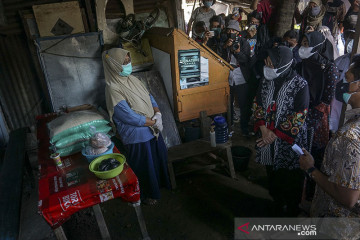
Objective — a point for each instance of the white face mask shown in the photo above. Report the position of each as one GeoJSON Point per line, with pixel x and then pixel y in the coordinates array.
{"type": "Point", "coordinates": [271, 73]}
{"type": "Point", "coordinates": [306, 52]}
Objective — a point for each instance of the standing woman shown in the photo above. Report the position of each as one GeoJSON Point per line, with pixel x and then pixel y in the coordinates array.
{"type": "Point", "coordinates": [280, 110]}
{"type": "Point", "coordinates": [138, 122]}
{"type": "Point", "coordinates": [321, 73]}
{"type": "Point", "coordinates": [312, 17]}
{"type": "Point", "coordinates": [203, 13]}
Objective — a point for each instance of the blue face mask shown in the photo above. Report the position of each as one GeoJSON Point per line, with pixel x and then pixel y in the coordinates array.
{"type": "Point", "coordinates": [342, 91]}
{"type": "Point", "coordinates": [347, 97]}
{"type": "Point", "coordinates": [315, 11]}
{"type": "Point", "coordinates": [208, 4]}
{"type": "Point", "coordinates": [127, 70]}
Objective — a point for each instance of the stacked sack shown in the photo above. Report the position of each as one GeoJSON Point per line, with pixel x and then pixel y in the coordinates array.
{"type": "Point", "coordinates": [71, 132]}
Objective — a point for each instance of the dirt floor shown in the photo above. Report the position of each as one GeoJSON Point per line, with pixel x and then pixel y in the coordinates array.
{"type": "Point", "coordinates": [203, 206]}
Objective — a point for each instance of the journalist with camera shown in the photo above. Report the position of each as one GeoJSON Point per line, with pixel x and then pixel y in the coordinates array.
{"type": "Point", "coordinates": [236, 51]}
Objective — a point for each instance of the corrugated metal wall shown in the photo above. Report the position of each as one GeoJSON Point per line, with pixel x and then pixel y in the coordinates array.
{"type": "Point", "coordinates": [19, 85]}
{"type": "Point", "coordinates": [20, 92]}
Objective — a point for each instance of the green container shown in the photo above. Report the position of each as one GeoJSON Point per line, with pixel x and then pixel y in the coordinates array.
{"type": "Point", "coordinates": [94, 166]}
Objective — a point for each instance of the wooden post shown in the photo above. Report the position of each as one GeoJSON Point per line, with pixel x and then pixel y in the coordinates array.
{"type": "Point", "coordinates": [25, 17]}
{"type": "Point", "coordinates": [230, 161]}
{"type": "Point", "coordinates": [141, 220]}
{"type": "Point", "coordinates": [180, 21]}
{"type": "Point", "coordinates": [171, 174]}
{"type": "Point", "coordinates": [59, 233]}
{"type": "Point", "coordinates": [105, 235]}
{"type": "Point", "coordinates": [90, 16]}
{"type": "Point", "coordinates": [204, 125]}
{"type": "Point", "coordinates": [85, 21]}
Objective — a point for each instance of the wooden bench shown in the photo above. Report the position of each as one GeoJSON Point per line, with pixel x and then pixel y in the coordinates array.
{"type": "Point", "coordinates": [11, 181]}
{"type": "Point", "coordinates": [195, 148]}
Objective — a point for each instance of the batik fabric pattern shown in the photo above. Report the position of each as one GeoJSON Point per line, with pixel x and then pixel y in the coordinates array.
{"type": "Point", "coordinates": [277, 114]}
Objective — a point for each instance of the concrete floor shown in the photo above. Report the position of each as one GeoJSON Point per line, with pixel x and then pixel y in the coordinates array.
{"type": "Point", "coordinates": [202, 207]}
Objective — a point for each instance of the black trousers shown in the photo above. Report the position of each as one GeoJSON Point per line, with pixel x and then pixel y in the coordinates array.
{"type": "Point", "coordinates": [241, 92]}
{"type": "Point", "coordinates": [253, 85]}
{"type": "Point", "coordinates": [285, 187]}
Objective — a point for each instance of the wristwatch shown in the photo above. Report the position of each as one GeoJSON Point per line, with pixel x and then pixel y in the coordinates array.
{"type": "Point", "coordinates": [310, 170]}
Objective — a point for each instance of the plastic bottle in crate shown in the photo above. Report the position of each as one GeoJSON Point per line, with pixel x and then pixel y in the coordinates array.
{"type": "Point", "coordinates": [221, 130]}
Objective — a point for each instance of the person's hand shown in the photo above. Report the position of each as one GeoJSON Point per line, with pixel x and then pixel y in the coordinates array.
{"type": "Point", "coordinates": [207, 35]}
{"type": "Point", "coordinates": [357, 3]}
{"type": "Point", "coordinates": [228, 43]}
{"type": "Point", "coordinates": [310, 29]}
{"type": "Point", "coordinates": [158, 121]}
{"type": "Point", "coordinates": [237, 50]}
{"type": "Point", "coordinates": [306, 160]}
{"type": "Point", "coordinates": [261, 142]}
{"type": "Point", "coordinates": [292, 42]}
{"type": "Point", "coordinates": [268, 137]}
{"type": "Point", "coordinates": [252, 32]}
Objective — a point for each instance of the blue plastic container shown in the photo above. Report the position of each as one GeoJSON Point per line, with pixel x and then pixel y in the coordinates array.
{"type": "Point", "coordinates": [221, 130]}
{"type": "Point", "coordinates": [92, 157]}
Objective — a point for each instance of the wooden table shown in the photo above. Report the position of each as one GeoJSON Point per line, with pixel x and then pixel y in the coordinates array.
{"type": "Point", "coordinates": [195, 148]}
{"type": "Point", "coordinates": [63, 192]}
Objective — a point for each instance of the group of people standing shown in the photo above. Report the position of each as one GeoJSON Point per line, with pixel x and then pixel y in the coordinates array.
{"type": "Point", "coordinates": [293, 87]}
{"type": "Point", "coordinates": [290, 84]}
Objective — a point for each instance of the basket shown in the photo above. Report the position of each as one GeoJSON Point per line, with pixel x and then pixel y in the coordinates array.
{"type": "Point", "coordinates": [92, 157]}
{"type": "Point", "coordinates": [94, 166]}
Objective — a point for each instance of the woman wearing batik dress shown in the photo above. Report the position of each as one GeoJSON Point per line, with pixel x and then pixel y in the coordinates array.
{"type": "Point", "coordinates": [280, 110]}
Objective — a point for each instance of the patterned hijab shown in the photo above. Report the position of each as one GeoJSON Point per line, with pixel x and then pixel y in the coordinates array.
{"type": "Point", "coordinates": [315, 21]}
{"type": "Point", "coordinates": [281, 57]}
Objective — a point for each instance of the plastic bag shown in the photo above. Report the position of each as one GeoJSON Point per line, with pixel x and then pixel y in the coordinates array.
{"type": "Point", "coordinates": [89, 150]}
{"type": "Point", "coordinates": [71, 149]}
{"type": "Point", "coordinates": [100, 140]}
{"type": "Point", "coordinates": [80, 137]}
{"type": "Point", "coordinates": [78, 129]}
{"type": "Point", "coordinates": [72, 123]}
